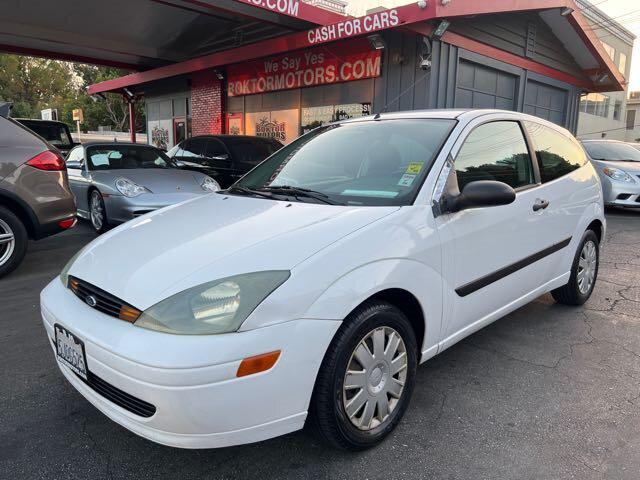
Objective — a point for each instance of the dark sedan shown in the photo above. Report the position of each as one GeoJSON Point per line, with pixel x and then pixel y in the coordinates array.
{"type": "Point", "coordinates": [226, 158]}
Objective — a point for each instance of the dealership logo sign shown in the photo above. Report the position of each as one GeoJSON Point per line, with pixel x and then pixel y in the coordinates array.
{"type": "Point", "coordinates": [271, 129]}
{"type": "Point", "coordinates": [319, 66]}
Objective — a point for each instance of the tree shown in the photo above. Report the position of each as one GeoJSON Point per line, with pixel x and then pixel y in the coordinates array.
{"type": "Point", "coordinates": [33, 84]}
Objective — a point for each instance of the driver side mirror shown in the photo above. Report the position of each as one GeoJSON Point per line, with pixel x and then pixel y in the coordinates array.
{"type": "Point", "coordinates": [75, 164]}
{"type": "Point", "coordinates": [481, 193]}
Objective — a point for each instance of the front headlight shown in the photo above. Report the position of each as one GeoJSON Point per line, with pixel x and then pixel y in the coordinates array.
{"type": "Point", "coordinates": [129, 188]}
{"type": "Point", "coordinates": [210, 185]}
{"type": "Point", "coordinates": [214, 307]}
{"type": "Point", "coordinates": [618, 175]}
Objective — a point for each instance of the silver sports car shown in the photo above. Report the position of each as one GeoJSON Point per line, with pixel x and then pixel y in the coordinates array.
{"type": "Point", "coordinates": [618, 165]}
{"type": "Point", "coordinates": [115, 182]}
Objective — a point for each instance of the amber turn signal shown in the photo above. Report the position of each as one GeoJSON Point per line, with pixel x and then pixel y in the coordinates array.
{"type": "Point", "coordinates": [257, 364]}
{"type": "Point", "coordinates": [129, 314]}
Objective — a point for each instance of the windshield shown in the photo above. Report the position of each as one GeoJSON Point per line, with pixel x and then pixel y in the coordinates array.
{"type": "Point", "coordinates": [126, 157]}
{"type": "Point", "coordinates": [251, 150]}
{"type": "Point", "coordinates": [612, 152]}
{"type": "Point", "coordinates": [54, 133]}
{"type": "Point", "coordinates": [376, 162]}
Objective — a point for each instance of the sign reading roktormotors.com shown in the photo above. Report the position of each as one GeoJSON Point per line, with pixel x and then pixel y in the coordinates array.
{"type": "Point", "coordinates": [345, 62]}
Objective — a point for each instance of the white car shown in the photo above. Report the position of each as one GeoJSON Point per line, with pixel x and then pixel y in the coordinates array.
{"type": "Point", "coordinates": [311, 289]}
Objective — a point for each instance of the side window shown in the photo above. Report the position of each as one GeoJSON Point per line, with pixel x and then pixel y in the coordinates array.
{"type": "Point", "coordinates": [76, 155]}
{"type": "Point", "coordinates": [194, 148]}
{"type": "Point", "coordinates": [558, 154]}
{"type": "Point", "coordinates": [495, 151]}
{"type": "Point", "coordinates": [215, 148]}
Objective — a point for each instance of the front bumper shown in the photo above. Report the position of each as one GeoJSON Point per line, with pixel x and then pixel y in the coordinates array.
{"type": "Point", "coordinates": [121, 209]}
{"type": "Point", "coordinates": [621, 194]}
{"type": "Point", "coordinates": [191, 380]}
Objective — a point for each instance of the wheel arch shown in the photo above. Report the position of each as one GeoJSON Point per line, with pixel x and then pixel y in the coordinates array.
{"type": "Point", "coordinates": [21, 210]}
{"type": "Point", "coordinates": [411, 286]}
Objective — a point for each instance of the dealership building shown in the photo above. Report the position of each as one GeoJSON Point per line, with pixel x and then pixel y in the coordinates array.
{"type": "Point", "coordinates": [279, 68]}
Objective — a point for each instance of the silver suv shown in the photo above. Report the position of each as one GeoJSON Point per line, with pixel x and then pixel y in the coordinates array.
{"type": "Point", "coordinates": [35, 200]}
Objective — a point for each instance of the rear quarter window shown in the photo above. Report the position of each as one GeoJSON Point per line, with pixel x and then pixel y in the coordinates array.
{"type": "Point", "coordinates": [558, 154]}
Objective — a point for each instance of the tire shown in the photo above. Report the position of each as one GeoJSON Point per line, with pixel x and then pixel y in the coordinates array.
{"type": "Point", "coordinates": [98, 218]}
{"type": "Point", "coordinates": [578, 291]}
{"type": "Point", "coordinates": [330, 401]}
{"type": "Point", "coordinates": [13, 241]}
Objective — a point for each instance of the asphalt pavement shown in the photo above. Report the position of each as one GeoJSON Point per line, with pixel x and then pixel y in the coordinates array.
{"type": "Point", "coordinates": [548, 392]}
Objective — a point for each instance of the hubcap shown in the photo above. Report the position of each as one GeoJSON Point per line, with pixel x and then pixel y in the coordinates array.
{"type": "Point", "coordinates": [97, 215]}
{"type": "Point", "coordinates": [375, 378]}
{"type": "Point", "coordinates": [7, 242]}
{"type": "Point", "coordinates": [587, 266]}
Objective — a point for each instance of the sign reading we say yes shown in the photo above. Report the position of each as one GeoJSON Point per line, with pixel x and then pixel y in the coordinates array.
{"type": "Point", "coordinates": [344, 62]}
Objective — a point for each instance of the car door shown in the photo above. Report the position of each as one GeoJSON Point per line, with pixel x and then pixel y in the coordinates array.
{"type": "Point", "coordinates": [78, 178]}
{"type": "Point", "coordinates": [490, 253]}
{"type": "Point", "coordinates": [568, 189]}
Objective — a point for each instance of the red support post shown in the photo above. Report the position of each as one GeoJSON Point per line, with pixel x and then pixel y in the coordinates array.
{"type": "Point", "coordinates": [132, 120]}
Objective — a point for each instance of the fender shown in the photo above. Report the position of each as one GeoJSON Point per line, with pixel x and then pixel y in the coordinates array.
{"type": "Point", "coordinates": [356, 286]}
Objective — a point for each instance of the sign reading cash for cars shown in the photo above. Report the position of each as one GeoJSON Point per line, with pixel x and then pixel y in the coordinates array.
{"type": "Point", "coordinates": [345, 62]}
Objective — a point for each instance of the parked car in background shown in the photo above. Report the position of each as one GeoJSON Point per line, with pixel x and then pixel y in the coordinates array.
{"type": "Point", "coordinates": [115, 182]}
{"type": "Point", "coordinates": [223, 157]}
{"type": "Point", "coordinates": [618, 165]}
{"type": "Point", "coordinates": [54, 132]}
{"type": "Point", "coordinates": [311, 289]}
{"type": "Point", "coordinates": [35, 200]}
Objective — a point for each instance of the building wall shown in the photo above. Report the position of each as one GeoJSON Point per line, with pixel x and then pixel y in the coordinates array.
{"type": "Point", "coordinates": [206, 104]}
{"type": "Point", "coordinates": [459, 78]}
{"type": "Point", "coordinates": [610, 123]}
{"type": "Point", "coordinates": [632, 121]}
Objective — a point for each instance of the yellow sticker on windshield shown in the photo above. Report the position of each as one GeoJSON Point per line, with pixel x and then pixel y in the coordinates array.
{"type": "Point", "coordinates": [414, 168]}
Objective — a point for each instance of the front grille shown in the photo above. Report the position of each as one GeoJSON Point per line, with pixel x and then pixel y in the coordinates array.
{"type": "Point", "coordinates": [102, 301]}
{"type": "Point", "coordinates": [117, 396]}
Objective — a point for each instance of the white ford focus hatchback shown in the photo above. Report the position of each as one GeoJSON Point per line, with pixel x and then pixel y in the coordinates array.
{"type": "Point", "coordinates": [311, 289]}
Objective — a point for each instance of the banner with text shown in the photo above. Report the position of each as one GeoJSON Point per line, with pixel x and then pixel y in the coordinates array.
{"type": "Point", "coordinates": [355, 60]}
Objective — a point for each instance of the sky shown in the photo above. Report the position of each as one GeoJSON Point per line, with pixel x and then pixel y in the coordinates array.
{"type": "Point", "coordinates": [626, 12]}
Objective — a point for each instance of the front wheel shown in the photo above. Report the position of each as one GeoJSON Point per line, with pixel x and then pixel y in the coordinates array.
{"type": "Point", "coordinates": [366, 378]}
{"type": "Point", "coordinates": [13, 241]}
{"type": "Point", "coordinates": [584, 273]}
{"type": "Point", "coordinates": [97, 212]}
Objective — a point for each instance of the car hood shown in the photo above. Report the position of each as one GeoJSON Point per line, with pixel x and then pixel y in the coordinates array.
{"type": "Point", "coordinates": [211, 237]}
{"type": "Point", "coordinates": [158, 180]}
{"type": "Point", "coordinates": [632, 168]}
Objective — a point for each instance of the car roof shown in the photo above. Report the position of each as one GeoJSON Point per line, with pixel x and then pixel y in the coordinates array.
{"type": "Point", "coordinates": [38, 120]}
{"type": "Point", "coordinates": [115, 144]}
{"type": "Point", "coordinates": [602, 140]}
{"type": "Point", "coordinates": [224, 136]}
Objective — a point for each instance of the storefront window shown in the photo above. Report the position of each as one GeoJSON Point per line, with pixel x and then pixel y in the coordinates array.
{"type": "Point", "coordinates": [313, 117]}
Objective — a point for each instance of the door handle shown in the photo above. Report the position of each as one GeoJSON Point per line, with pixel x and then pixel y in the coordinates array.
{"type": "Point", "coordinates": [540, 204]}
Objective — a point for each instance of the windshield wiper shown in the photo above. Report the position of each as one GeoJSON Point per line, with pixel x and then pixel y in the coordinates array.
{"type": "Point", "coordinates": [248, 191]}
{"type": "Point", "coordinates": [300, 192]}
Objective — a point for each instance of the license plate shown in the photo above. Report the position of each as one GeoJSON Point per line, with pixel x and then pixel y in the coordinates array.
{"type": "Point", "coordinates": [70, 350]}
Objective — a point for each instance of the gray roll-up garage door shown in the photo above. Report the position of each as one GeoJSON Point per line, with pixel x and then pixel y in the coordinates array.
{"type": "Point", "coordinates": [479, 86]}
{"type": "Point", "coordinates": [546, 102]}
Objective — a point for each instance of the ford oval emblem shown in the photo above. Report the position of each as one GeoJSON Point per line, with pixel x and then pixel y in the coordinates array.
{"type": "Point", "coordinates": [91, 300]}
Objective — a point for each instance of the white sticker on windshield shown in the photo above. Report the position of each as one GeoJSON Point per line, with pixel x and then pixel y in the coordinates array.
{"type": "Point", "coordinates": [406, 180]}
{"type": "Point", "coordinates": [370, 193]}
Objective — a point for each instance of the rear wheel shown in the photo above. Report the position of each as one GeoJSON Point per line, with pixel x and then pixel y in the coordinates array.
{"type": "Point", "coordinates": [584, 273]}
{"type": "Point", "coordinates": [97, 212]}
{"type": "Point", "coordinates": [366, 378]}
{"type": "Point", "coordinates": [13, 241]}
